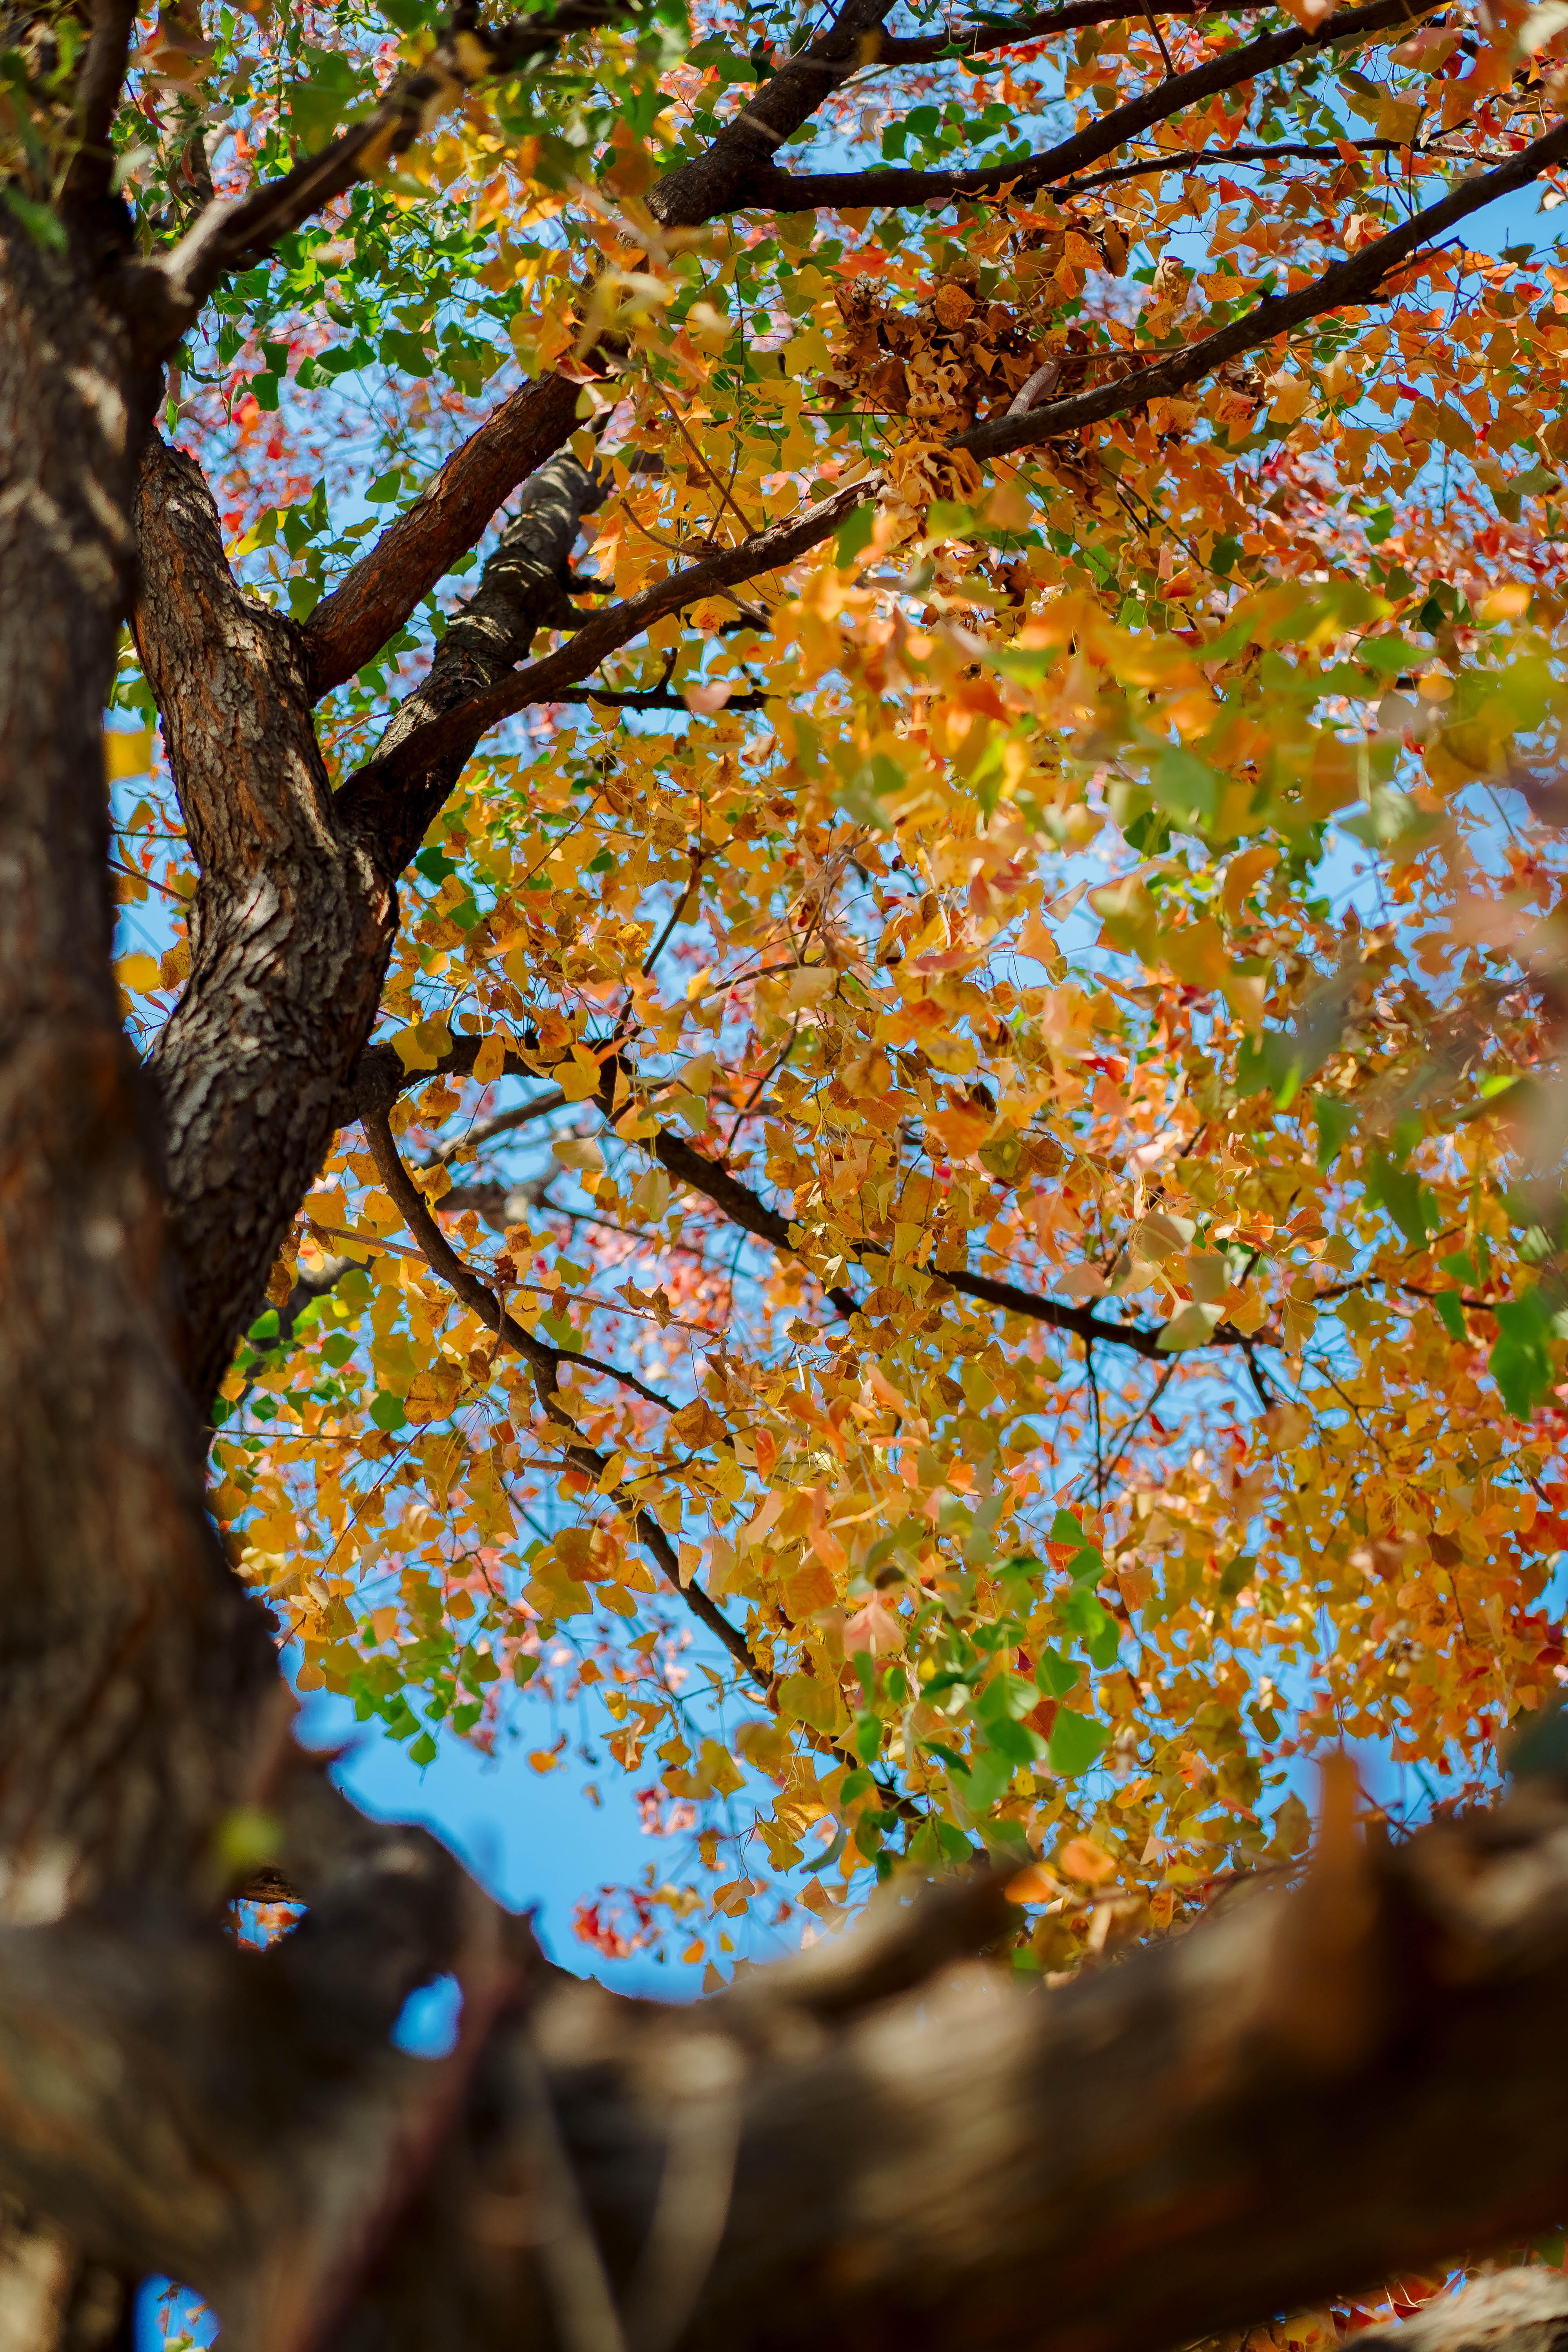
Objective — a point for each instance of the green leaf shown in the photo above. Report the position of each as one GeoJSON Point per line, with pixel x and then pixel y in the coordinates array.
{"type": "Point", "coordinates": [1271, 1063]}
{"type": "Point", "coordinates": [388, 1412]}
{"type": "Point", "coordinates": [1409, 1201]}
{"type": "Point", "coordinates": [1076, 1743]}
{"type": "Point", "coordinates": [1014, 1742]}
{"type": "Point", "coordinates": [1453, 1314]}
{"type": "Point", "coordinates": [423, 1751]}
{"type": "Point", "coordinates": [1184, 785]}
{"type": "Point", "coordinates": [1394, 821]}
{"type": "Point", "coordinates": [854, 535]}
{"type": "Point", "coordinates": [1336, 1122]}
{"type": "Point", "coordinates": [1193, 1326]}
{"type": "Point", "coordinates": [1094, 1625]}
{"type": "Point", "coordinates": [1056, 1674]}
{"type": "Point", "coordinates": [988, 1779]}
{"type": "Point", "coordinates": [42, 224]}
{"type": "Point", "coordinates": [1520, 1360]}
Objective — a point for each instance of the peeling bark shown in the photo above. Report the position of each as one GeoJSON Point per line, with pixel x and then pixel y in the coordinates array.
{"type": "Point", "coordinates": [522, 590]}
{"type": "Point", "coordinates": [1511, 2311]}
{"type": "Point", "coordinates": [349, 626]}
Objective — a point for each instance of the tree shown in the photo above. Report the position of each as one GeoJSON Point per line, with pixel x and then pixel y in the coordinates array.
{"type": "Point", "coordinates": [904, 537]}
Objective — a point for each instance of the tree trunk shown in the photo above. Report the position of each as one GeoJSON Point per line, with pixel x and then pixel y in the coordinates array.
{"type": "Point", "coordinates": [131, 1667]}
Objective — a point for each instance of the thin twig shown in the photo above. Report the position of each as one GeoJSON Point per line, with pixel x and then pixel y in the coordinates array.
{"type": "Point", "coordinates": [502, 1123]}
{"type": "Point", "coordinates": [545, 1362]}
{"type": "Point", "coordinates": [420, 1219]}
{"type": "Point", "coordinates": [1159, 37]}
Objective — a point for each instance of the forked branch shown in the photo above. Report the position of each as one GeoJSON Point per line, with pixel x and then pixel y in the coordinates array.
{"type": "Point", "coordinates": [545, 1363]}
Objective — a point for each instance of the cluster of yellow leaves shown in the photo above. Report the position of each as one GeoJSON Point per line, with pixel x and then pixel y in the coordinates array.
{"type": "Point", "coordinates": [870, 1019]}
{"type": "Point", "coordinates": [1100, 1394]}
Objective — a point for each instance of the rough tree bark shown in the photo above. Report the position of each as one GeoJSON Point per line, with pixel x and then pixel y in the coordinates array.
{"type": "Point", "coordinates": [131, 1666]}
{"type": "Point", "coordinates": [292, 927]}
{"type": "Point", "coordinates": [881, 2143]}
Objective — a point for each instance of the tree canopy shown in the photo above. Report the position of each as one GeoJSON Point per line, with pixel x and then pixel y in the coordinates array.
{"type": "Point", "coordinates": [814, 1032]}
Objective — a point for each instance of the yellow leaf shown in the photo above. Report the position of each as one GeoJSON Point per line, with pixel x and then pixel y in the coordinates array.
{"type": "Point", "coordinates": [809, 1699]}
{"type": "Point", "coordinates": [1247, 994]}
{"type": "Point", "coordinates": [579, 1077]}
{"type": "Point", "coordinates": [377, 1213]}
{"type": "Point", "coordinates": [716, 1770]}
{"type": "Point", "coordinates": [1243, 873]}
{"type": "Point", "coordinates": [127, 752]}
{"type": "Point", "coordinates": [765, 1746]}
{"type": "Point", "coordinates": [139, 974]}
{"type": "Point", "coordinates": [809, 986]}
{"type": "Point", "coordinates": [422, 1046]}
{"type": "Point", "coordinates": [1034, 1885]}
{"type": "Point", "coordinates": [808, 1587]}
{"type": "Point", "coordinates": [1397, 119]}
{"type": "Point", "coordinates": [580, 1153]}
{"type": "Point", "coordinates": [489, 1062]}
{"type": "Point", "coordinates": [1196, 954]}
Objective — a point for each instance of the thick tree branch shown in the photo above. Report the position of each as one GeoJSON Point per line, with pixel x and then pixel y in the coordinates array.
{"type": "Point", "coordinates": [787, 191]}
{"type": "Point", "coordinates": [372, 602]}
{"type": "Point", "coordinates": [1291, 2102]}
{"type": "Point", "coordinates": [1510, 2311]}
{"type": "Point", "coordinates": [986, 40]}
{"type": "Point", "coordinates": [725, 176]}
{"type": "Point", "coordinates": [1295, 2100]}
{"type": "Point", "coordinates": [522, 589]}
{"type": "Point", "coordinates": [291, 928]}
{"type": "Point", "coordinates": [1356, 280]}
{"type": "Point", "coordinates": [102, 77]}
{"type": "Point", "coordinates": [381, 1075]}
{"type": "Point", "coordinates": [377, 798]}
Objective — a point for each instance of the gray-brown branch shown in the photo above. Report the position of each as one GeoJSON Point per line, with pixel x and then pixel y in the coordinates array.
{"type": "Point", "coordinates": [1293, 2101]}
{"type": "Point", "coordinates": [291, 928]}
{"type": "Point", "coordinates": [791, 192]}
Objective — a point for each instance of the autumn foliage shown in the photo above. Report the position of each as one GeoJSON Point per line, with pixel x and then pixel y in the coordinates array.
{"type": "Point", "coordinates": [947, 1228]}
{"type": "Point", "coordinates": [1080, 876]}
